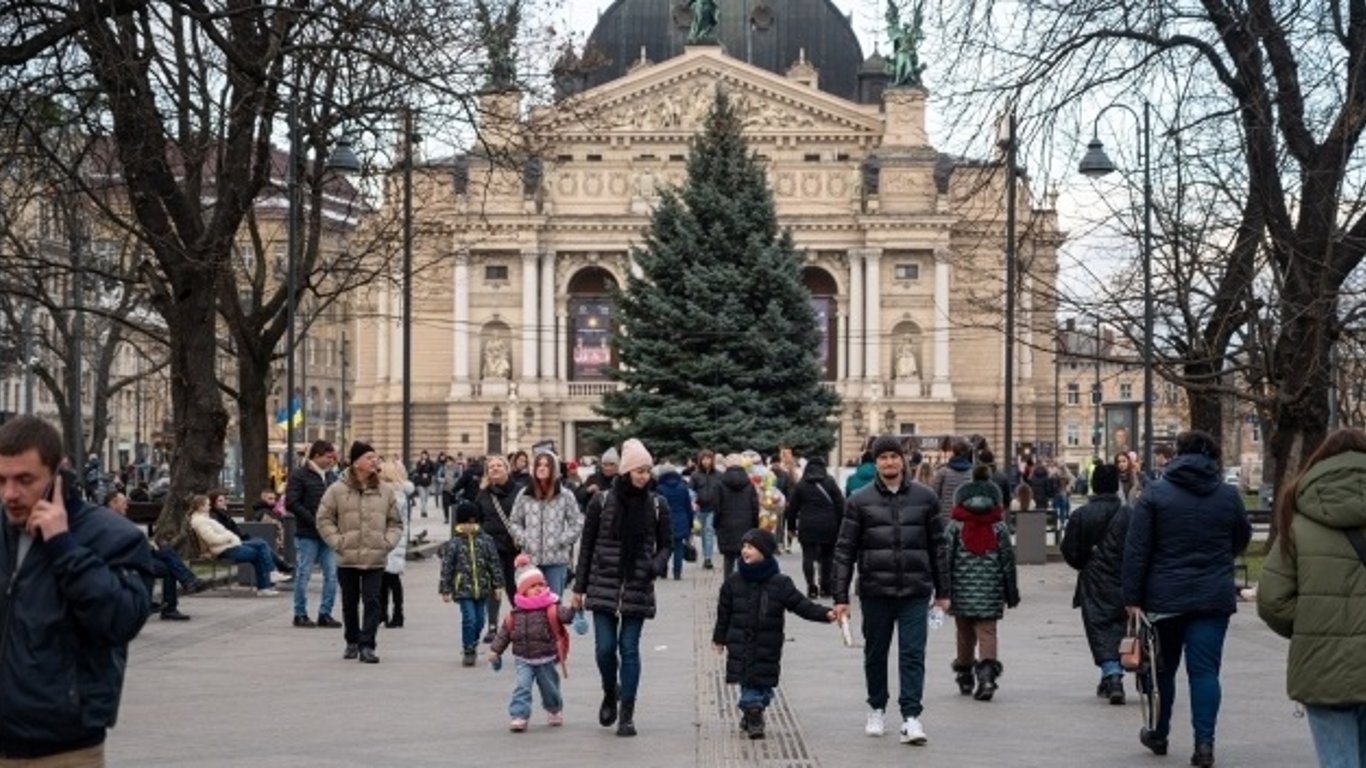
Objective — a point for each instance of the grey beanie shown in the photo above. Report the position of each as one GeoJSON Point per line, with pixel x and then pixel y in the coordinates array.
{"type": "Point", "coordinates": [610, 456]}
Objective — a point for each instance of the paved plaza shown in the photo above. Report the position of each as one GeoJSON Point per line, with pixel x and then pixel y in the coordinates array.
{"type": "Point", "coordinates": [239, 686]}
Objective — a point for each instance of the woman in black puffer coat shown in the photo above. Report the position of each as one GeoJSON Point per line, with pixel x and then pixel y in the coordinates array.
{"type": "Point", "coordinates": [737, 511]}
{"type": "Point", "coordinates": [1094, 545]}
{"type": "Point", "coordinates": [813, 512]}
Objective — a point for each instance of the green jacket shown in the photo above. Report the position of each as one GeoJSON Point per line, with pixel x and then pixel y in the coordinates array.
{"type": "Point", "coordinates": [1317, 595]}
{"type": "Point", "coordinates": [983, 585]}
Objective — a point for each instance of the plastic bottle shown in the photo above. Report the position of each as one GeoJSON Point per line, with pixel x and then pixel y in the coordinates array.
{"type": "Point", "coordinates": [580, 623]}
{"type": "Point", "coordinates": [936, 617]}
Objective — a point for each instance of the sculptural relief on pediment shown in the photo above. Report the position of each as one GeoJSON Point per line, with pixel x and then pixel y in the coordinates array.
{"type": "Point", "coordinates": [682, 107]}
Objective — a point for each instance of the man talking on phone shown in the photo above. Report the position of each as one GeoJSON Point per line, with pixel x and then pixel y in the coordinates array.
{"type": "Point", "coordinates": [71, 598]}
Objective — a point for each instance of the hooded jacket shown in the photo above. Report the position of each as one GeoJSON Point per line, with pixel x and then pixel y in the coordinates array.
{"type": "Point", "coordinates": [679, 498]}
{"type": "Point", "coordinates": [360, 521]}
{"type": "Point", "coordinates": [1184, 533]}
{"type": "Point", "coordinates": [737, 509]}
{"type": "Point", "coordinates": [863, 475]}
{"type": "Point", "coordinates": [470, 568]}
{"type": "Point", "coordinates": [546, 530]}
{"type": "Point", "coordinates": [1094, 545]}
{"type": "Point", "coordinates": [983, 583]}
{"type": "Point", "coordinates": [1316, 596]}
{"type": "Point", "coordinates": [67, 614]}
{"type": "Point", "coordinates": [895, 538]}
{"type": "Point", "coordinates": [815, 506]}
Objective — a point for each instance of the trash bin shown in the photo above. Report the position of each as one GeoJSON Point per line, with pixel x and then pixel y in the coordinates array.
{"type": "Point", "coordinates": [1031, 538]}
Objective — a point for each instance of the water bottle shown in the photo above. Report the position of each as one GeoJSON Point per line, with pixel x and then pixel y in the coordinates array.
{"type": "Point", "coordinates": [497, 664]}
{"type": "Point", "coordinates": [580, 623]}
{"type": "Point", "coordinates": [936, 617]}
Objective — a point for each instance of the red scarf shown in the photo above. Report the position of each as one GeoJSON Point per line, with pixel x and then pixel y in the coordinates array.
{"type": "Point", "coordinates": [979, 533]}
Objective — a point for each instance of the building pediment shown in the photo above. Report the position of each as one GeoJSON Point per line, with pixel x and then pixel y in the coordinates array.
{"type": "Point", "coordinates": [672, 99]}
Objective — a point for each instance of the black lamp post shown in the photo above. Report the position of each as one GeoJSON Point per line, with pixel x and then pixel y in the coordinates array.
{"type": "Point", "coordinates": [1010, 144]}
{"type": "Point", "coordinates": [410, 137]}
{"type": "Point", "coordinates": [342, 160]}
{"type": "Point", "coordinates": [1096, 164]}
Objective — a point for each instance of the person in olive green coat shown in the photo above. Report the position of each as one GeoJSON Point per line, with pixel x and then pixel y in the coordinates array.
{"type": "Point", "coordinates": [1313, 591]}
{"type": "Point", "coordinates": [982, 568]}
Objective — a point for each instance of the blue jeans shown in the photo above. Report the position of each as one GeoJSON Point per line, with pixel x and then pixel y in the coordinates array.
{"type": "Point", "coordinates": [546, 678]}
{"type": "Point", "coordinates": [615, 636]}
{"type": "Point", "coordinates": [907, 616]}
{"type": "Point", "coordinates": [1062, 506]}
{"type": "Point", "coordinates": [1201, 637]}
{"type": "Point", "coordinates": [555, 576]}
{"type": "Point", "coordinates": [471, 621]}
{"type": "Point", "coordinates": [309, 551]}
{"type": "Point", "coordinates": [170, 562]}
{"type": "Point", "coordinates": [257, 553]}
{"type": "Point", "coordinates": [1111, 667]}
{"type": "Point", "coordinates": [678, 553]}
{"type": "Point", "coordinates": [707, 516]}
{"type": "Point", "coordinates": [755, 696]}
{"type": "Point", "coordinates": [1339, 735]}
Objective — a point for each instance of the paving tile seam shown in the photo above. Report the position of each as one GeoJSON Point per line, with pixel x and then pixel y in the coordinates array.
{"type": "Point", "coordinates": [719, 743]}
{"type": "Point", "coordinates": [202, 632]}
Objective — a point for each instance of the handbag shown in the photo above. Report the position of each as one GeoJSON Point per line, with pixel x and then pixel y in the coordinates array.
{"type": "Point", "coordinates": [689, 551]}
{"type": "Point", "coordinates": [1131, 645]}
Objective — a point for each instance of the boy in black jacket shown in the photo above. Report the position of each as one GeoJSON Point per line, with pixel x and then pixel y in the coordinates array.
{"type": "Point", "coordinates": [749, 625]}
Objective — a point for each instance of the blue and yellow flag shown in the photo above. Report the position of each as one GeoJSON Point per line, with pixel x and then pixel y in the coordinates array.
{"type": "Point", "coordinates": [291, 418]}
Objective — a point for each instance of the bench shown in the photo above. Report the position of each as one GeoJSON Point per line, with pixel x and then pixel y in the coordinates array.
{"type": "Point", "coordinates": [1260, 519]}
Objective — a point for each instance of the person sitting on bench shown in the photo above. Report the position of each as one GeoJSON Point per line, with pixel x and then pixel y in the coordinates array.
{"type": "Point", "coordinates": [222, 543]}
{"type": "Point", "coordinates": [218, 508]}
{"type": "Point", "coordinates": [166, 565]}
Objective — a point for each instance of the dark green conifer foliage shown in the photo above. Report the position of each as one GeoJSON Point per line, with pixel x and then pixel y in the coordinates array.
{"type": "Point", "coordinates": [716, 341]}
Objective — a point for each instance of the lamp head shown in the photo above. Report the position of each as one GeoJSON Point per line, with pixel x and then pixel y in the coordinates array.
{"type": "Point", "coordinates": [1096, 163]}
{"type": "Point", "coordinates": [343, 158]}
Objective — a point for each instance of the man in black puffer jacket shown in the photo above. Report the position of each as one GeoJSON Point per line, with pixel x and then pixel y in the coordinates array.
{"type": "Point", "coordinates": [893, 531]}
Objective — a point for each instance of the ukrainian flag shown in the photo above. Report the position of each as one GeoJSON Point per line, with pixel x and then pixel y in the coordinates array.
{"type": "Point", "coordinates": [293, 417]}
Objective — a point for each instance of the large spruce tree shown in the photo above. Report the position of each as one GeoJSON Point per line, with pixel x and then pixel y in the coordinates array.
{"type": "Point", "coordinates": [716, 341]}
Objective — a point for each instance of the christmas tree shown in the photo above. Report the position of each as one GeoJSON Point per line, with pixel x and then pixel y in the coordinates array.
{"type": "Point", "coordinates": [717, 342]}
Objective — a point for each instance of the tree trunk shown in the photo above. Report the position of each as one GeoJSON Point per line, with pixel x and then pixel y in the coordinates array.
{"type": "Point", "coordinates": [201, 421]}
{"type": "Point", "coordinates": [1206, 403]}
{"type": "Point", "coordinates": [253, 425]}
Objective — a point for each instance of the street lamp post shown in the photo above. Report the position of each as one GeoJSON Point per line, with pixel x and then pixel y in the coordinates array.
{"type": "Point", "coordinates": [410, 137]}
{"type": "Point", "coordinates": [1096, 164]}
{"type": "Point", "coordinates": [1011, 147]}
{"type": "Point", "coordinates": [342, 160]}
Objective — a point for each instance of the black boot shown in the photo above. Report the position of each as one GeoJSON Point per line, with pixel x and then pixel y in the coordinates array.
{"type": "Point", "coordinates": [962, 674]}
{"type": "Point", "coordinates": [756, 723]}
{"type": "Point", "coordinates": [1114, 688]}
{"type": "Point", "coordinates": [987, 672]}
{"type": "Point", "coordinates": [1204, 755]}
{"type": "Point", "coordinates": [1156, 744]}
{"type": "Point", "coordinates": [626, 723]}
{"type": "Point", "coordinates": [396, 619]}
{"type": "Point", "coordinates": [607, 713]}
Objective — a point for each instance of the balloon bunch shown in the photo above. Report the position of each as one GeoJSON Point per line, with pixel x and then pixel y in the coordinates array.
{"type": "Point", "coordinates": [772, 502]}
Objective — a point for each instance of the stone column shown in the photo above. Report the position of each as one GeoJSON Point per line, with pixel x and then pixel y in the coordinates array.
{"type": "Point", "coordinates": [529, 260]}
{"type": "Point", "coordinates": [382, 340]}
{"type": "Point", "coordinates": [854, 349]}
{"type": "Point", "coordinates": [1026, 325]}
{"type": "Point", "coordinates": [395, 323]}
{"type": "Point", "coordinates": [842, 335]}
{"type": "Point", "coordinates": [546, 325]}
{"type": "Point", "coordinates": [942, 385]}
{"type": "Point", "coordinates": [872, 299]}
{"type": "Point", "coordinates": [460, 313]}
{"type": "Point", "coordinates": [561, 331]}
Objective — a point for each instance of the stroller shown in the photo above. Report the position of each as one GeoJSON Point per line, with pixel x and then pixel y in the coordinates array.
{"type": "Point", "coordinates": [1141, 656]}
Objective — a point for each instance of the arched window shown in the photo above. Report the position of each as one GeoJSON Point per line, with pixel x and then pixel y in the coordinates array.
{"type": "Point", "coordinates": [590, 324]}
{"type": "Point", "coordinates": [823, 289]}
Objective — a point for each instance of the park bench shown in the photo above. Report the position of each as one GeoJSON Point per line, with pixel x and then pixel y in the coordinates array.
{"type": "Point", "coordinates": [1260, 518]}
{"type": "Point", "coordinates": [146, 513]}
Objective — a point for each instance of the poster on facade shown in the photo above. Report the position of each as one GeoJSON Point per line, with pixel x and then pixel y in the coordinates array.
{"type": "Point", "coordinates": [592, 337]}
{"type": "Point", "coordinates": [1121, 424]}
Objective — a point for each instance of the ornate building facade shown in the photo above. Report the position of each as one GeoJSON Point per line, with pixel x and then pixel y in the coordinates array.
{"type": "Point", "coordinates": [517, 245]}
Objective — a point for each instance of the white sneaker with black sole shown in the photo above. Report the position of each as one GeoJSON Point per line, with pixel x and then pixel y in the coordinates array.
{"type": "Point", "coordinates": [912, 732]}
{"type": "Point", "coordinates": [877, 723]}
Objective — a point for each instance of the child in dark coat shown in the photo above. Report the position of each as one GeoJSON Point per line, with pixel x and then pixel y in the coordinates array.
{"type": "Point", "coordinates": [535, 630]}
{"type": "Point", "coordinates": [471, 573]}
{"type": "Point", "coordinates": [749, 625]}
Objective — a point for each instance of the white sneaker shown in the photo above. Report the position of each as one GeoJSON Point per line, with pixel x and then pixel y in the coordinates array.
{"type": "Point", "coordinates": [267, 592]}
{"type": "Point", "coordinates": [912, 732]}
{"type": "Point", "coordinates": [877, 723]}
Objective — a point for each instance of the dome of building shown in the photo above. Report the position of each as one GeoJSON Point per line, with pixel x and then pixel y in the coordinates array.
{"type": "Point", "coordinates": [772, 34]}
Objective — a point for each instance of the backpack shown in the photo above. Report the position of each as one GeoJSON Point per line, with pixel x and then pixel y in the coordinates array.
{"type": "Point", "coordinates": [552, 616]}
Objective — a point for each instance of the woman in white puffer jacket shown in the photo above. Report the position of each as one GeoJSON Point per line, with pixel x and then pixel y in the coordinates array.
{"type": "Point", "coordinates": [393, 473]}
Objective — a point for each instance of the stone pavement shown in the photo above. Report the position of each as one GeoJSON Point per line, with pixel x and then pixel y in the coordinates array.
{"type": "Point", "coordinates": [239, 686]}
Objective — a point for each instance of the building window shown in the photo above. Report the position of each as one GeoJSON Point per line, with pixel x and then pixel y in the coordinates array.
{"type": "Point", "coordinates": [1173, 394]}
{"type": "Point", "coordinates": [907, 428]}
{"type": "Point", "coordinates": [1171, 430]}
{"type": "Point", "coordinates": [1256, 430]}
{"type": "Point", "coordinates": [1126, 391]}
{"type": "Point", "coordinates": [907, 272]}
{"type": "Point", "coordinates": [1073, 394]}
{"type": "Point", "coordinates": [1073, 435]}
{"type": "Point", "coordinates": [494, 272]}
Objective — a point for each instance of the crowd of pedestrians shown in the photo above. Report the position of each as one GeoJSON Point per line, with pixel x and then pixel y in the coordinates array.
{"type": "Point", "coordinates": [537, 555]}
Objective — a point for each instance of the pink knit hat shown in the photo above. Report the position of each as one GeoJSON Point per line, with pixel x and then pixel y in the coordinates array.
{"type": "Point", "coordinates": [634, 456]}
{"type": "Point", "coordinates": [527, 575]}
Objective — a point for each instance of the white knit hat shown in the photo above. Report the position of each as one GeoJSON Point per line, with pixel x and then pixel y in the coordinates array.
{"type": "Point", "coordinates": [634, 456]}
{"type": "Point", "coordinates": [609, 456]}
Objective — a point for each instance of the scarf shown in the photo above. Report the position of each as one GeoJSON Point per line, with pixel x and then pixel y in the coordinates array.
{"type": "Point", "coordinates": [758, 572]}
{"type": "Point", "coordinates": [979, 534]}
{"type": "Point", "coordinates": [538, 603]}
{"type": "Point", "coordinates": [632, 521]}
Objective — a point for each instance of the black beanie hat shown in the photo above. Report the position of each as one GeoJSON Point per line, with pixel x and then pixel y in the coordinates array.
{"type": "Point", "coordinates": [358, 449]}
{"type": "Point", "coordinates": [466, 512]}
{"type": "Point", "coordinates": [761, 540]}
{"type": "Point", "coordinates": [1105, 479]}
{"type": "Point", "coordinates": [886, 444]}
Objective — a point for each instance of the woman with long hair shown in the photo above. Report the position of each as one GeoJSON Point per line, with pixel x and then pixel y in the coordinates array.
{"type": "Point", "coordinates": [1320, 555]}
{"type": "Point", "coordinates": [545, 521]}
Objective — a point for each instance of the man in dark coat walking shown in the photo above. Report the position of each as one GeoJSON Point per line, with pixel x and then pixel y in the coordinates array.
{"type": "Point", "coordinates": [813, 514]}
{"type": "Point", "coordinates": [893, 531]}
{"type": "Point", "coordinates": [1094, 545]}
{"type": "Point", "coordinates": [737, 510]}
